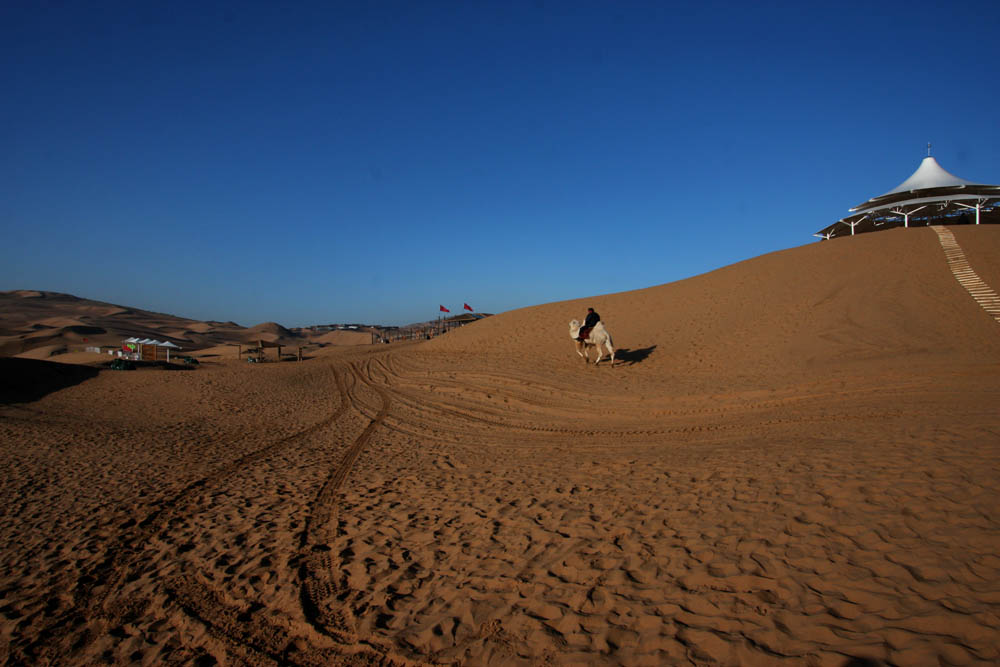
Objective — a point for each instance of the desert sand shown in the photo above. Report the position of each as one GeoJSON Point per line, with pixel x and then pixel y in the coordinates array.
{"type": "Point", "coordinates": [795, 461]}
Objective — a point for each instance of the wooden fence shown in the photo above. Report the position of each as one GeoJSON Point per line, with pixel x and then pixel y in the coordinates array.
{"type": "Point", "coordinates": [422, 332]}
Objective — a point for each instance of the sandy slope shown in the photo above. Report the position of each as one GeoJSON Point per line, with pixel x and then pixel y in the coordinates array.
{"type": "Point", "coordinates": [795, 462]}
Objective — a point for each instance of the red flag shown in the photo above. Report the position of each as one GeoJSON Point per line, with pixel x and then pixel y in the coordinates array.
{"type": "Point", "coordinates": [468, 307]}
{"type": "Point", "coordinates": [444, 310]}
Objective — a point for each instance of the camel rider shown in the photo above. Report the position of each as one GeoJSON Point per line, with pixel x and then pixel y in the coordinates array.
{"type": "Point", "coordinates": [592, 319]}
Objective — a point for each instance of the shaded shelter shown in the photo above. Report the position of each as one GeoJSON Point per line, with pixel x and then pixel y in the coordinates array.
{"type": "Point", "coordinates": [147, 349]}
{"type": "Point", "coordinates": [931, 195]}
{"type": "Point", "coordinates": [257, 353]}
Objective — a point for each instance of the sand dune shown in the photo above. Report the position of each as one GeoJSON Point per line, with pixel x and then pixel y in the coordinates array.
{"type": "Point", "coordinates": [31, 319]}
{"type": "Point", "coordinates": [44, 351]}
{"type": "Point", "coordinates": [801, 311]}
{"type": "Point", "coordinates": [270, 332]}
{"type": "Point", "coordinates": [59, 322]}
{"type": "Point", "coordinates": [199, 327]}
{"type": "Point", "coordinates": [65, 324]}
{"type": "Point", "coordinates": [345, 338]}
{"type": "Point", "coordinates": [795, 462]}
{"type": "Point", "coordinates": [272, 328]}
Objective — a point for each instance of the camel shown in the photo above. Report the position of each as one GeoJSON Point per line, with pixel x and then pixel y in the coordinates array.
{"type": "Point", "coordinates": [598, 336]}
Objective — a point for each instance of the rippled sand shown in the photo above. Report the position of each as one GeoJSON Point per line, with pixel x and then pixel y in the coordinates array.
{"type": "Point", "coordinates": [795, 461]}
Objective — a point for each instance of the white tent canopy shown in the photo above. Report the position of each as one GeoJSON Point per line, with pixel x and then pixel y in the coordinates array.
{"type": "Point", "coordinates": [150, 341]}
{"type": "Point", "coordinates": [929, 174]}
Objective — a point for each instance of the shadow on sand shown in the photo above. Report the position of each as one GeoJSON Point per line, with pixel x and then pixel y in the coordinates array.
{"type": "Point", "coordinates": [630, 357]}
{"type": "Point", "coordinates": [27, 380]}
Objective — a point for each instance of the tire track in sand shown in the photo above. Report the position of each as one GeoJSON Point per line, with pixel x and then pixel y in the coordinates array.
{"type": "Point", "coordinates": [321, 590]}
{"type": "Point", "coordinates": [249, 634]}
{"type": "Point", "coordinates": [101, 581]}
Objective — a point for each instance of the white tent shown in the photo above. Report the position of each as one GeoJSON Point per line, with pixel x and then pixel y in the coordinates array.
{"type": "Point", "coordinates": [929, 174]}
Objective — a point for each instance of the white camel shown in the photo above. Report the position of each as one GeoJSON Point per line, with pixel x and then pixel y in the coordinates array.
{"type": "Point", "coordinates": [599, 336]}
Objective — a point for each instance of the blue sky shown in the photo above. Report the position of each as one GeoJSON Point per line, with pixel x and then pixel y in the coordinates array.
{"type": "Point", "coordinates": [324, 162]}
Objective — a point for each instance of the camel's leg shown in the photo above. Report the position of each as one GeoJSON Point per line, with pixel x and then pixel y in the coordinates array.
{"type": "Point", "coordinates": [581, 349]}
{"type": "Point", "coordinates": [611, 350]}
{"type": "Point", "coordinates": [600, 354]}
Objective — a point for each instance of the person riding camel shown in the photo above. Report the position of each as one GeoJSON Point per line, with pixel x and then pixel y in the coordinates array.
{"type": "Point", "coordinates": [592, 319]}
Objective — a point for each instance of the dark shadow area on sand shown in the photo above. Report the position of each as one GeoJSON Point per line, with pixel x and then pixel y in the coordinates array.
{"type": "Point", "coordinates": [151, 366]}
{"type": "Point", "coordinates": [627, 356]}
{"type": "Point", "coordinates": [163, 366]}
{"type": "Point", "coordinates": [27, 380]}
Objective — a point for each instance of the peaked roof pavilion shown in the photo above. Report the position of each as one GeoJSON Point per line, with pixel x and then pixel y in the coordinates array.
{"type": "Point", "coordinates": [929, 195]}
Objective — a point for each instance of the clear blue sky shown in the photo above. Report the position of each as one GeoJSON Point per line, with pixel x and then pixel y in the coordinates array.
{"type": "Point", "coordinates": [324, 162]}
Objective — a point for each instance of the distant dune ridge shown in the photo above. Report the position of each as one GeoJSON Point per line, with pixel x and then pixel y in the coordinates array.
{"type": "Point", "coordinates": [43, 324]}
{"type": "Point", "coordinates": [271, 332]}
{"type": "Point", "coordinates": [795, 461]}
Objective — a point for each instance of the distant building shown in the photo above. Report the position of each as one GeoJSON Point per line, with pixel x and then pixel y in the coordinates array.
{"type": "Point", "coordinates": [929, 196]}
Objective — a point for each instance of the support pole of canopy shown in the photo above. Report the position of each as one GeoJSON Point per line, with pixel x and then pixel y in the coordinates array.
{"type": "Point", "coordinates": [854, 224]}
{"type": "Point", "coordinates": [978, 207]}
{"type": "Point", "coordinates": [906, 214]}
